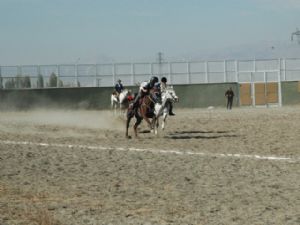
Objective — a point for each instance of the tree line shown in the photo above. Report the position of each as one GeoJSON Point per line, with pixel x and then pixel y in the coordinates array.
{"type": "Point", "coordinates": [25, 82]}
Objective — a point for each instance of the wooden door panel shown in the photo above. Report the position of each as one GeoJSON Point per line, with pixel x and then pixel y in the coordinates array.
{"type": "Point", "coordinates": [272, 92]}
{"type": "Point", "coordinates": [245, 94]}
{"type": "Point", "coordinates": [260, 94]}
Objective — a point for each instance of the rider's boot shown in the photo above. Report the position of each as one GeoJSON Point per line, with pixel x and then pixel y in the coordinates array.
{"type": "Point", "coordinates": [135, 103]}
{"type": "Point", "coordinates": [171, 111]}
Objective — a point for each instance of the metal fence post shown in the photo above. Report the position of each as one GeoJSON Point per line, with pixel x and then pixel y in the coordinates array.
{"type": "Point", "coordinates": [1, 80]}
{"type": "Point", "coordinates": [19, 71]}
{"type": "Point", "coordinates": [58, 73]}
{"type": "Point", "coordinates": [132, 73]}
{"type": "Point", "coordinates": [188, 72]}
{"type": "Point", "coordinates": [75, 78]}
{"type": "Point", "coordinates": [206, 72]}
{"type": "Point", "coordinates": [252, 90]}
{"type": "Point", "coordinates": [170, 72]}
{"type": "Point", "coordinates": [225, 71]}
{"type": "Point", "coordinates": [151, 68]}
{"type": "Point", "coordinates": [114, 73]}
{"type": "Point", "coordinates": [96, 74]}
{"type": "Point", "coordinates": [284, 70]}
{"type": "Point", "coordinates": [279, 89]}
{"type": "Point", "coordinates": [236, 71]}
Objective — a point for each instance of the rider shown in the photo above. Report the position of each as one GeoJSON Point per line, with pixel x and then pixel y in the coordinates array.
{"type": "Point", "coordinates": [156, 93]}
{"type": "Point", "coordinates": [163, 87]}
{"type": "Point", "coordinates": [119, 87]}
{"type": "Point", "coordinates": [145, 89]}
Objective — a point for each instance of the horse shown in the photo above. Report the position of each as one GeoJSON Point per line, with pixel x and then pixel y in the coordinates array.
{"type": "Point", "coordinates": [119, 101]}
{"type": "Point", "coordinates": [149, 109]}
{"type": "Point", "coordinates": [144, 111]}
{"type": "Point", "coordinates": [168, 97]}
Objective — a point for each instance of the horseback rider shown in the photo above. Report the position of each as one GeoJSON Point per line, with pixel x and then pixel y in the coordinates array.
{"type": "Point", "coordinates": [119, 87]}
{"type": "Point", "coordinates": [163, 87]}
{"type": "Point", "coordinates": [145, 89]}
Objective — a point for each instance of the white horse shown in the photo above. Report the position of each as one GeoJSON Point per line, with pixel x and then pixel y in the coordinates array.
{"type": "Point", "coordinates": [119, 101]}
{"type": "Point", "coordinates": [168, 97]}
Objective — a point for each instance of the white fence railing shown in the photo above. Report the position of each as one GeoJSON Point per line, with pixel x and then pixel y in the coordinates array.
{"type": "Point", "coordinates": [191, 72]}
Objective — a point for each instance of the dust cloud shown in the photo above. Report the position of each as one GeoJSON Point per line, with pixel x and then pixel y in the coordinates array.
{"type": "Point", "coordinates": [86, 119]}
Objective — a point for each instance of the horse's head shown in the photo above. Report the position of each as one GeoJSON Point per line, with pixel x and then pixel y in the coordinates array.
{"type": "Point", "coordinates": [170, 94]}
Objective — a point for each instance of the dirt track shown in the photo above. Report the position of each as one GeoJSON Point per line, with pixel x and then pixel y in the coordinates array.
{"type": "Point", "coordinates": [207, 167]}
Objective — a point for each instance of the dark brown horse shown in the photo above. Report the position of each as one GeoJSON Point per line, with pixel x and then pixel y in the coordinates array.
{"type": "Point", "coordinates": [144, 111]}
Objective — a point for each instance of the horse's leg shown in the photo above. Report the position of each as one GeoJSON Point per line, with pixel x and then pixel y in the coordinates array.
{"type": "Point", "coordinates": [137, 123]}
{"type": "Point", "coordinates": [156, 125]}
{"type": "Point", "coordinates": [112, 104]}
{"type": "Point", "coordinates": [153, 122]}
{"type": "Point", "coordinates": [165, 114]}
{"type": "Point", "coordinates": [120, 109]}
{"type": "Point", "coordinates": [127, 126]}
{"type": "Point", "coordinates": [164, 120]}
{"type": "Point", "coordinates": [128, 119]}
{"type": "Point", "coordinates": [143, 111]}
{"type": "Point", "coordinates": [115, 108]}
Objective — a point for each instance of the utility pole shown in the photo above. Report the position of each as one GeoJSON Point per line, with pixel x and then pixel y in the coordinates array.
{"type": "Point", "coordinates": [159, 60]}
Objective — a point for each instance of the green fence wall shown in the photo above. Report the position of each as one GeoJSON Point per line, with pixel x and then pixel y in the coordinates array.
{"type": "Point", "coordinates": [87, 98]}
{"type": "Point", "coordinates": [191, 96]}
{"type": "Point", "coordinates": [290, 93]}
{"type": "Point", "coordinates": [204, 95]}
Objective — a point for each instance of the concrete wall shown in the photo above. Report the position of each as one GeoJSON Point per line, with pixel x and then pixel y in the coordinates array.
{"type": "Point", "coordinates": [196, 95]}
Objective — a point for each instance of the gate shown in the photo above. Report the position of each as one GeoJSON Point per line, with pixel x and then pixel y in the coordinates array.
{"type": "Point", "coordinates": [262, 89]}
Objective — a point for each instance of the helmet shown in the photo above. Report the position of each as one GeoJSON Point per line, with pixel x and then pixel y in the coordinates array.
{"type": "Point", "coordinates": [153, 80]}
{"type": "Point", "coordinates": [164, 79]}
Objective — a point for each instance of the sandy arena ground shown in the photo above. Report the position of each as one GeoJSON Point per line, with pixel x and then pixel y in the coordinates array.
{"type": "Point", "coordinates": [208, 167]}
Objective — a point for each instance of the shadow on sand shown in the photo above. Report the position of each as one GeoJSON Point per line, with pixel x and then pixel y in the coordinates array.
{"type": "Point", "coordinates": [192, 134]}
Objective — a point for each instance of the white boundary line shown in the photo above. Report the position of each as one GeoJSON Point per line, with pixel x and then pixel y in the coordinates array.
{"type": "Point", "coordinates": [156, 151]}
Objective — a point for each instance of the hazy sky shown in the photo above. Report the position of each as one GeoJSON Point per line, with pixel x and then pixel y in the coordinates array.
{"type": "Point", "coordinates": [61, 31]}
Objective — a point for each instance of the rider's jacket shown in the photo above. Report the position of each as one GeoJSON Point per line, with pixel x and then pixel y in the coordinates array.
{"type": "Point", "coordinates": [145, 87]}
{"type": "Point", "coordinates": [119, 87]}
{"type": "Point", "coordinates": [163, 86]}
{"type": "Point", "coordinates": [157, 92]}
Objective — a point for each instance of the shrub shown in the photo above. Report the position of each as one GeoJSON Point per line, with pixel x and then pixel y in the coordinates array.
{"type": "Point", "coordinates": [40, 81]}
{"type": "Point", "coordinates": [26, 82]}
{"type": "Point", "coordinates": [10, 83]}
{"type": "Point", "coordinates": [53, 80]}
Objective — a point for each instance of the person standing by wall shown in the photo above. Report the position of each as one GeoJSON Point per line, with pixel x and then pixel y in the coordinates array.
{"type": "Point", "coordinates": [229, 94]}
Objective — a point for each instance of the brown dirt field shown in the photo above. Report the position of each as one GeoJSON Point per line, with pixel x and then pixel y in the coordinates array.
{"type": "Point", "coordinates": [207, 167]}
